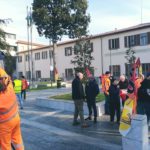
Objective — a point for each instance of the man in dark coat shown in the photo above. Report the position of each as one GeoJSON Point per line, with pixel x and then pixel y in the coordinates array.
{"type": "Point", "coordinates": [91, 91]}
{"type": "Point", "coordinates": [143, 106]}
{"type": "Point", "coordinates": [114, 100]}
{"type": "Point", "coordinates": [78, 97]}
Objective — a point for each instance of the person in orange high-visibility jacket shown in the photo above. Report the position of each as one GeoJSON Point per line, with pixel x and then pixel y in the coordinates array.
{"type": "Point", "coordinates": [10, 132]}
{"type": "Point", "coordinates": [105, 89]}
{"type": "Point", "coordinates": [24, 87]}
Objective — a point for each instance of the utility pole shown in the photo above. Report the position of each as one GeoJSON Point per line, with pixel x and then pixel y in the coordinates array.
{"type": "Point", "coordinates": [32, 76]}
{"type": "Point", "coordinates": [110, 63]}
{"type": "Point", "coordinates": [28, 38]}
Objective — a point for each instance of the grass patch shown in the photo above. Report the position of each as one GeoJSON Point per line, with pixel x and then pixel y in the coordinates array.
{"type": "Point", "coordinates": [40, 88]}
{"type": "Point", "coordinates": [67, 97]}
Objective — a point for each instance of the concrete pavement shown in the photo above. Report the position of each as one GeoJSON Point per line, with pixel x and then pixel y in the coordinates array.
{"type": "Point", "coordinates": [48, 129]}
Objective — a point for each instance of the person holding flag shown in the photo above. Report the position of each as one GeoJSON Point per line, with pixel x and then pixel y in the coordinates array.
{"type": "Point", "coordinates": [143, 106]}
{"type": "Point", "coordinates": [131, 102]}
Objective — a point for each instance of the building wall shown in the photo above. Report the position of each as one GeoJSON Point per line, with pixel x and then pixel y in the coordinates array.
{"type": "Point", "coordinates": [118, 55]}
{"type": "Point", "coordinates": [101, 54]}
{"type": "Point", "coordinates": [23, 47]}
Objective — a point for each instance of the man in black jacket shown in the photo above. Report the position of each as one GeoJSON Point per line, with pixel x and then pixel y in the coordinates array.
{"type": "Point", "coordinates": [143, 103]}
{"type": "Point", "coordinates": [91, 90]}
{"type": "Point", "coordinates": [78, 97]}
{"type": "Point", "coordinates": [114, 101]}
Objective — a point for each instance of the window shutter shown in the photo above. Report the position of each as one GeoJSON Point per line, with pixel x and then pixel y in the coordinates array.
{"type": "Point", "coordinates": [70, 50]}
{"type": "Point", "coordinates": [148, 34]}
{"type": "Point", "coordinates": [109, 43]}
{"type": "Point", "coordinates": [138, 39]}
{"type": "Point", "coordinates": [91, 47]}
{"type": "Point", "coordinates": [65, 52]}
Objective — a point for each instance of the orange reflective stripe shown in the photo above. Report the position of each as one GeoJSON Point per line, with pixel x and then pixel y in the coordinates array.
{"type": "Point", "coordinates": [11, 107]}
{"type": "Point", "coordinates": [14, 115]}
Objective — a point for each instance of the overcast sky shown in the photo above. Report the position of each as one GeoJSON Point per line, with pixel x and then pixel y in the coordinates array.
{"type": "Point", "coordinates": [106, 15]}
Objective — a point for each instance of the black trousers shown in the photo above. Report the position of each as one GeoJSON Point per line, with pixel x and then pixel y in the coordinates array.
{"type": "Point", "coordinates": [92, 106]}
{"type": "Point", "coordinates": [114, 109]}
{"type": "Point", "coordinates": [23, 94]}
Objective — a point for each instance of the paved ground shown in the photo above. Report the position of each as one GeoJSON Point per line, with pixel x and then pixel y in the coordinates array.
{"type": "Point", "coordinates": [47, 129]}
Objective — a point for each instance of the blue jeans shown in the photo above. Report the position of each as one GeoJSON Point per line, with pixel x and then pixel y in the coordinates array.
{"type": "Point", "coordinates": [19, 99]}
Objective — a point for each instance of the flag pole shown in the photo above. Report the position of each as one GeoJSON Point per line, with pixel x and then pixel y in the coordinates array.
{"type": "Point", "coordinates": [141, 11]}
{"type": "Point", "coordinates": [31, 45]}
{"type": "Point", "coordinates": [28, 38]}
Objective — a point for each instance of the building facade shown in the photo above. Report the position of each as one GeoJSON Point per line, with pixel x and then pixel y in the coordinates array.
{"type": "Point", "coordinates": [109, 49]}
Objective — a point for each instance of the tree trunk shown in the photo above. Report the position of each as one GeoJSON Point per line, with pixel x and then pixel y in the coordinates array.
{"type": "Point", "coordinates": [54, 60]}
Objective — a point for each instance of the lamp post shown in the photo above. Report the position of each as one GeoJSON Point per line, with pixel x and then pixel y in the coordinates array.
{"type": "Point", "coordinates": [110, 62]}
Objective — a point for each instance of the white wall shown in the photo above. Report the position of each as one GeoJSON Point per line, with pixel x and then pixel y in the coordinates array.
{"type": "Point", "coordinates": [64, 62]}
{"type": "Point", "coordinates": [118, 56]}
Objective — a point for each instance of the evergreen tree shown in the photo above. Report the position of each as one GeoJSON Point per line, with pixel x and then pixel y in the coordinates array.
{"type": "Point", "coordinates": [83, 56]}
{"type": "Point", "coordinates": [130, 56]}
{"type": "Point", "coordinates": [3, 44]}
{"type": "Point", "coordinates": [9, 61]}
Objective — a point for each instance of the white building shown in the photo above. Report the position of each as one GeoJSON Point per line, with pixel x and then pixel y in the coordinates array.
{"type": "Point", "coordinates": [108, 49]}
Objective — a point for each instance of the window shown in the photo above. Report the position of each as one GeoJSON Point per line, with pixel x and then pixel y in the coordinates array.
{"type": "Point", "coordinates": [10, 36]}
{"type": "Point", "coordinates": [37, 56]}
{"type": "Point", "coordinates": [78, 47]}
{"type": "Point", "coordinates": [128, 68]}
{"type": "Point", "coordinates": [50, 54]}
{"type": "Point", "coordinates": [143, 39]}
{"type": "Point", "coordinates": [113, 43]}
{"type": "Point", "coordinates": [19, 59]}
{"type": "Point", "coordinates": [27, 57]}
{"type": "Point", "coordinates": [145, 68]}
{"type": "Point", "coordinates": [44, 55]}
{"type": "Point", "coordinates": [115, 69]}
{"type": "Point", "coordinates": [133, 40]}
{"type": "Point", "coordinates": [28, 74]}
{"type": "Point", "coordinates": [69, 73]}
{"type": "Point", "coordinates": [38, 74]}
{"type": "Point", "coordinates": [137, 40]}
{"type": "Point", "coordinates": [13, 48]}
{"type": "Point", "coordinates": [68, 51]}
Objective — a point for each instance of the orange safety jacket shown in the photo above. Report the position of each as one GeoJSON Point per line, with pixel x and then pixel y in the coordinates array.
{"type": "Point", "coordinates": [8, 104]}
{"type": "Point", "coordinates": [105, 84]}
{"type": "Point", "coordinates": [24, 84]}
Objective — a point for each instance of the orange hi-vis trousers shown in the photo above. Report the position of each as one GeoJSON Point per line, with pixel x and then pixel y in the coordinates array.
{"type": "Point", "coordinates": [10, 132]}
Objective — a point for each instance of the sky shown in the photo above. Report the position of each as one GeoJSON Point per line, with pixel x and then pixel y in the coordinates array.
{"type": "Point", "coordinates": [106, 15]}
